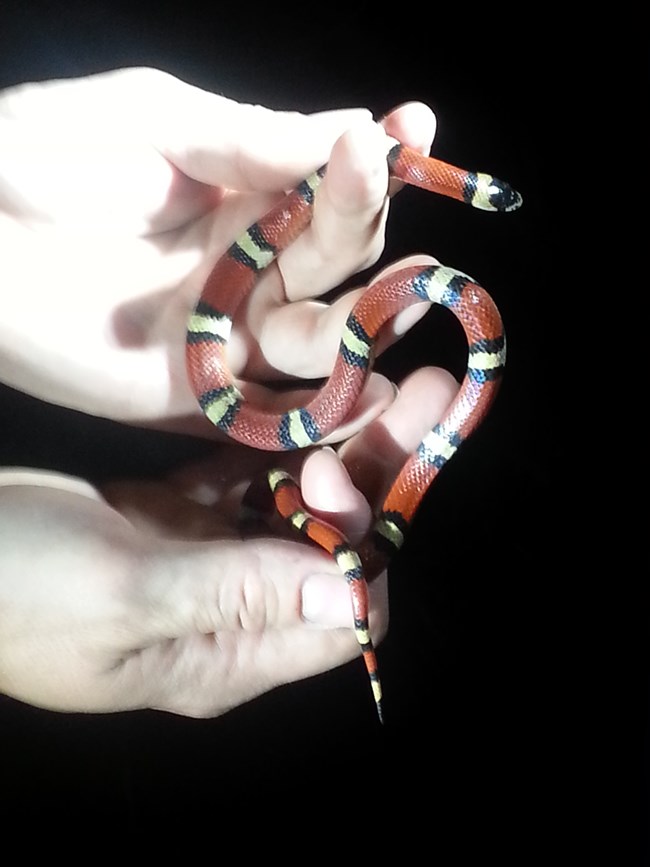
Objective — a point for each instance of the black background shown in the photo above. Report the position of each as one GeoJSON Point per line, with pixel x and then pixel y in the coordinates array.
{"type": "Point", "coordinates": [473, 724]}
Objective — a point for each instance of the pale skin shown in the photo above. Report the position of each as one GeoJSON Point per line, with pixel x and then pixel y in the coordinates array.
{"type": "Point", "coordinates": [117, 194]}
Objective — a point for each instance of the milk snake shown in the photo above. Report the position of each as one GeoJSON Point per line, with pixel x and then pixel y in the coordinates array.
{"type": "Point", "coordinates": [208, 332]}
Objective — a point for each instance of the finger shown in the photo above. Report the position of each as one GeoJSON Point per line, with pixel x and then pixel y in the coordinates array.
{"type": "Point", "coordinates": [346, 231]}
{"type": "Point", "coordinates": [316, 330]}
{"type": "Point", "coordinates": [345, 234]}
{"type": "Point", "coordinates": [398, 325]}
{"type": "Point", "coordinates": [412, 124]}
{"type": "Point", "coordinates": [225, 143]}
{"type": "Point", "coordinates": [375, 456]}
{"type": "Point", "coordinates": [329, 494]}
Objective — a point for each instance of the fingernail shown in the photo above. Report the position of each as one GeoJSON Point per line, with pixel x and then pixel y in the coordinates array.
{"type": "Point", "coordinates": [326, 601]}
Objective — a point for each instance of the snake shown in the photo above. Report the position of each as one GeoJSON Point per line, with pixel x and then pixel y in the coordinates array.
{"type": "Point", "coordinates": [209, 327]}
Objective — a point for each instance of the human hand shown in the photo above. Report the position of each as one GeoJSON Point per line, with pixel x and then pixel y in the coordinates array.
{"type": "Point", "coordinates": [117, 194]}
{"type": "Point", "coordinates": [149, 595]}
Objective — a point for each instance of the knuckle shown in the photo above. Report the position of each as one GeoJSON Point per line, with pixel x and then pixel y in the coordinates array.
{"type": "Point", "coordinates": [256, 601]}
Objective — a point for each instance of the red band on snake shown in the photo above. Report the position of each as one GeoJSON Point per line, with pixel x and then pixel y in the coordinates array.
{"type": "Point", "coordinates": [208, 331]}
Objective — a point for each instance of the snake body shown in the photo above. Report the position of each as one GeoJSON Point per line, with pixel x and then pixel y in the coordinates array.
{"type": "Point", "coordinates": [208, 331]}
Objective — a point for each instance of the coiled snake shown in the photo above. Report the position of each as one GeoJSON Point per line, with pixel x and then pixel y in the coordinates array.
{"type": "Point", "coordinates": [208, 331]}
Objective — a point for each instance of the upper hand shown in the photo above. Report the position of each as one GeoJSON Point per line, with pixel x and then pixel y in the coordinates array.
{"type": "Point", "coordinates": [118, 193]}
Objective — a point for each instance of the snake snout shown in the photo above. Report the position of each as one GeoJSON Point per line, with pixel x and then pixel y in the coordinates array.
{"type": "Point", "coordinates": [503, 197]}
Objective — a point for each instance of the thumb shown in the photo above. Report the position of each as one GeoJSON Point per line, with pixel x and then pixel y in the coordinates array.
{"type": "Point", "coordinates": [225, 622]}
{"type": "Point", "coordinates": [246, 586]}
